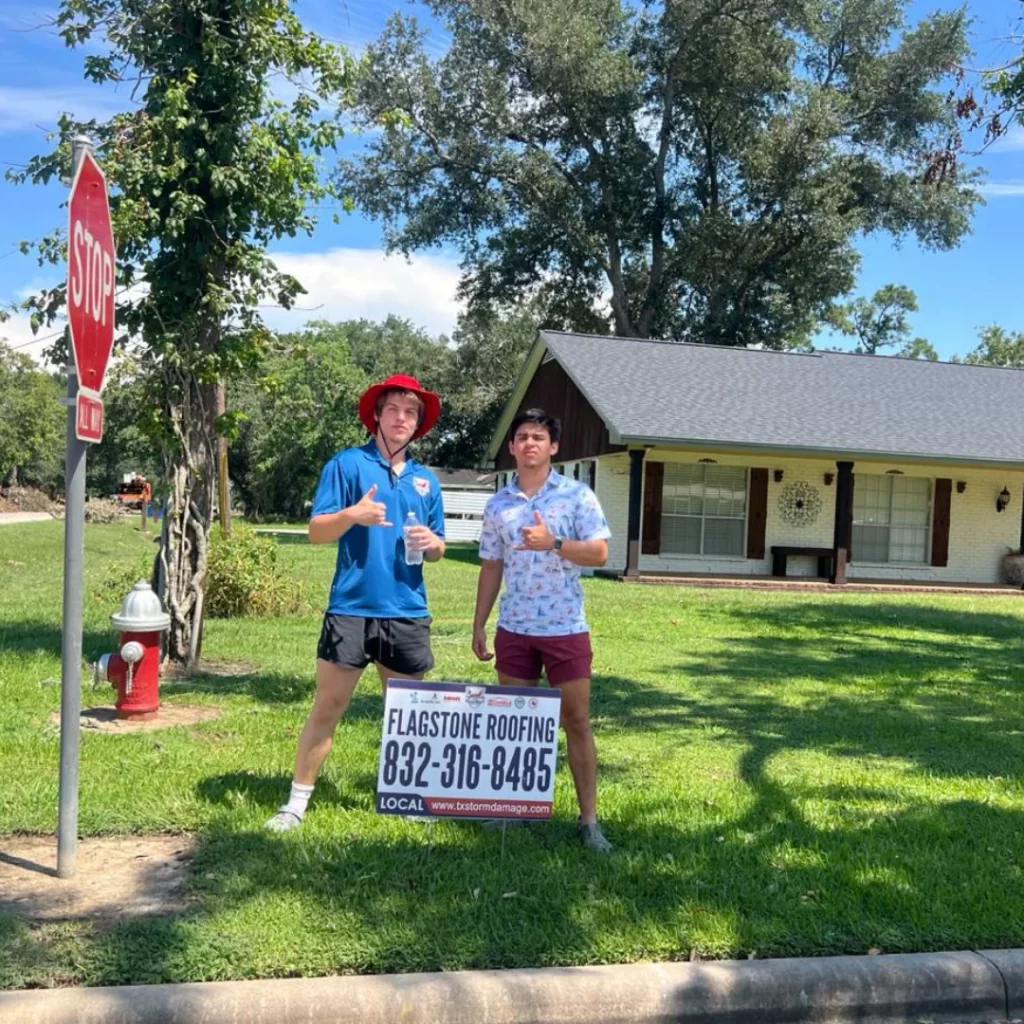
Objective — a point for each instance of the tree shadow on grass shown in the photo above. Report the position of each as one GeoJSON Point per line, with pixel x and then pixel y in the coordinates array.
{"type": "Point", "coordinates": [951, 703]}
{"type": "Point", "coordinates": [795, 865]}
{"type": "Point", "coordinates": [33, 637]}
{"type": "Point", "coordinates": [278, 688]}
{"type": "Point", "coordinates": [268, 792]}
{"type": "Point", "coordinates": [411, 898]}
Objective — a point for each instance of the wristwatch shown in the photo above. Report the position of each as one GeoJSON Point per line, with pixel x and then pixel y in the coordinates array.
{"type": "Point", "coordinates": [557, 546]}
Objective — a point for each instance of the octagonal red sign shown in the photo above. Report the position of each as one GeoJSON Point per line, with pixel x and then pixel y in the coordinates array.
{"type": "Point", "coordinates": [90, 274]}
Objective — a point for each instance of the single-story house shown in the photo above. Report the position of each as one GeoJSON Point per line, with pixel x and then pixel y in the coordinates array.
{"type": "Point", "coordinates": [742, 462]}
{"type": "Point", "coordinates": [465, 493]}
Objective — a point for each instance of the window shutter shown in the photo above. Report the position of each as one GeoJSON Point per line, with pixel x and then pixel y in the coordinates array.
{"type": "Point", "coordinates": [757, 513]}
{"type": "Point", "coordinates": [940, 522]}
{"type": "Point", "coordinates": [654, 480]}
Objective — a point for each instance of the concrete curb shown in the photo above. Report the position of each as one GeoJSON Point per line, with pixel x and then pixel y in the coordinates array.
{"type": "Point", "coordinates": [938, 987]}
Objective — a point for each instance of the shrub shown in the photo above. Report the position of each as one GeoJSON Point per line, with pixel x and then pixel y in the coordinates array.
{"type": "Point", "coordinates": [243, 578]}
{"type": "Point", "coordinates": [119, 578]}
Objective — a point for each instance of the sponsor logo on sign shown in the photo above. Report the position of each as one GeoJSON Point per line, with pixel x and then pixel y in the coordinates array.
{"type": "Point", "coordinates": [520, 702]}
{"type": "Point", "coordinates": [534, 703]}
{"type": "Point", "coordinates": [456, 697]}
{"type": "Point", "coordinates": [499, 702]}
{"type": "Point", "coordinates": [422, 485]}
{"type": "Point", "coordinates": [430, 698]}
{"type": "Point", "coordinates": [474, 696]}
{"type": "Point", "coordinates": [414, 698]}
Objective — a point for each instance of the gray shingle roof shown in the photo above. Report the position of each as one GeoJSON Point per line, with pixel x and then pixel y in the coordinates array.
{"type": "Point", "coordinates": [827, 401]}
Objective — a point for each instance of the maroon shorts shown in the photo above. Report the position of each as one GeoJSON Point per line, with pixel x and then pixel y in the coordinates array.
{"type": "Point", "coordinates": [562, 657]}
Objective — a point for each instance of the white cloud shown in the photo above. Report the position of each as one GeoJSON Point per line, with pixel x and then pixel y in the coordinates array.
{"type": "Point", "coordinates": [342, 284]}
{"type": "Point", "coordinates": [349, 284]}
{"type": "Point", "coordinates": [30, 109]}
{"type": "Point", "coordinates": [17, 333]}
{"type": "Point", "coordinates": [1013, 187]}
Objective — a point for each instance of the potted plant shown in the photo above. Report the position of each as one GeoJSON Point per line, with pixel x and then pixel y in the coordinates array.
{"type": "Point", "coordinates": [1013, 566]}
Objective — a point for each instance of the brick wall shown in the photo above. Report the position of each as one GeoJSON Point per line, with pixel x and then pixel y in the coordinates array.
{"type": "Point", "coordinates": [978, 536]}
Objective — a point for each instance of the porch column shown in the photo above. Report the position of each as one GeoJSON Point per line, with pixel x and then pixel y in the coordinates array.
{"type": "Point", "coordinates": [636, 491]}
{"type": "Point", "coordinates": [1022, 519]}
{"type": "Point", "coordinates": [843, 523]}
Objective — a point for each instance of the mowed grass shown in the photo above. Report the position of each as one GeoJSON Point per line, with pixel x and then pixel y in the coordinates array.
{"type": "Point", "coordinates": [782, 774]}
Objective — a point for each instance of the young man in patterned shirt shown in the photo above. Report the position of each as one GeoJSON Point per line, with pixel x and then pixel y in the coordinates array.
{"type": "Point", "coordinates": [536, 534]}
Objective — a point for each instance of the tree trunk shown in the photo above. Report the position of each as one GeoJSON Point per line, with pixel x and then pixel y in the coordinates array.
{"type": "Point", "coordinates": [190, 470]}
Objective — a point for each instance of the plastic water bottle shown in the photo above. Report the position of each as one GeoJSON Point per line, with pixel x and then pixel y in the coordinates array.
{"type": "Point", "coordinates": [413, 555]}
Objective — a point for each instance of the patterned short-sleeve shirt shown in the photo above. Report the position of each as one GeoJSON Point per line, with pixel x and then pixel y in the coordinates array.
{"type": "Point", "coordinates": [542, 594]}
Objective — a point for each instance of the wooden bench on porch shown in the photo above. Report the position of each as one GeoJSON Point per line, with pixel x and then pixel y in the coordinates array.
{"type": "Point", "coordinates": [780, 552]}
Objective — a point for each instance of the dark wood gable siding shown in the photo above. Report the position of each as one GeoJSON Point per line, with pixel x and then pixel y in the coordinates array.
{"type": "Point", "coordinates": [584, 434]}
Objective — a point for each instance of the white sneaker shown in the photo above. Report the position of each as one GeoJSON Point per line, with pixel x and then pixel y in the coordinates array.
{"type": "Point", "coordinates": [283, 821]}
{"type": "Point", "coordinates": [594, 839]}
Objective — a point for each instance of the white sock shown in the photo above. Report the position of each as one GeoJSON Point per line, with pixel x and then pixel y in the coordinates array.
{"type": "Point", "coordinates": [298, 799]}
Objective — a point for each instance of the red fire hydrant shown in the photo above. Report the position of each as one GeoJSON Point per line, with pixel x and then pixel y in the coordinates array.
{"type": "Point", "coordinates": [134, 671]}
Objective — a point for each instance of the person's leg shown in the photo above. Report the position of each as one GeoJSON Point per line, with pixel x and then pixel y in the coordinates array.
{"type": "Point", "coordinates": [334, 687]}
{"type": "Point", "coordinates": [403, 652]}
{"type": "Point", "coordinates": [567, 664]}
{"type": "Point", "coordinates": [340, 663]}
{"type": "Point", "coordinates": [579, 743]}
{"type": "Point", "coordinates": [387, 673]}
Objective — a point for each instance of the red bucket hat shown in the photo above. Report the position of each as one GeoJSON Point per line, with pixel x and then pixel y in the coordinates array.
{"type": "Point", "coordinates": [400, 382]}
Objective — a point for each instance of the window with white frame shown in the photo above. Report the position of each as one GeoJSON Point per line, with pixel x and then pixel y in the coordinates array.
{"type": "Point", "coordinates": [703, 509]}
{"type": "Point", "coordinates": [891, 517]}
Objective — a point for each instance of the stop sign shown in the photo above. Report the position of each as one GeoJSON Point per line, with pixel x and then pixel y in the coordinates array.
{"type": "Point", "coordinates": [90, 274]}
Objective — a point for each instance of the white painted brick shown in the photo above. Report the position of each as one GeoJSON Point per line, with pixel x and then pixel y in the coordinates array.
{"type": "Point", "coordinates": [979, 536]}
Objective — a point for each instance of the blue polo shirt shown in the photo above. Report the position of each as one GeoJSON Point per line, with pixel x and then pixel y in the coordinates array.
{"type": "Point", "coordinates": [371, 578]}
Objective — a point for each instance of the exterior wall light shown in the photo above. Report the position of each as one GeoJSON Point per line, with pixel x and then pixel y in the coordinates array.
{"type": "Point", "coordinates": [1002, 500]}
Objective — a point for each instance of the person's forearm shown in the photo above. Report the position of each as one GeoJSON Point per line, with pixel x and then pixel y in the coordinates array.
{"type": "Point", "coordinates": [487, 588]}
{"type": "Point", "coordinates": [436, 553]}
{"type": "Point", "coordinates": [585, 552]}
{"type": "Point", "coordinates": [326, 529]}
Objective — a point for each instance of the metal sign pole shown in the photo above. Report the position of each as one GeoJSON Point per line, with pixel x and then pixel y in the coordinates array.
{"type": "Point", "coordinates": [71, 634]}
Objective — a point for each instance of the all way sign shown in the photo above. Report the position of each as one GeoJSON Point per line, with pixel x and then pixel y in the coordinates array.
{"type": "Point", "coordinates": [90, 292]}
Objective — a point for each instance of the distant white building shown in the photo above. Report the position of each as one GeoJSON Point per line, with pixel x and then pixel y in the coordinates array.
{"type": "Point", "coordinates": [465, 493]}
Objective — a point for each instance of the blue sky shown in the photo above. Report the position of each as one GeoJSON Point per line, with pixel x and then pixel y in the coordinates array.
{"type": "Point", "coordinates": [346, 274]}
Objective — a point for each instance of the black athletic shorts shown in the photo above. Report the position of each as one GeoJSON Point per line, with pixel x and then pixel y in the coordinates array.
{"type": "Point", "coordinates": [402, 645]}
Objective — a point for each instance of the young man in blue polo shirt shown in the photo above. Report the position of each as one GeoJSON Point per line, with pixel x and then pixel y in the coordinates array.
{"type": "Point", "coordinates": [378, 604]}
{"type": "Point", "coordinates": [536, 534]}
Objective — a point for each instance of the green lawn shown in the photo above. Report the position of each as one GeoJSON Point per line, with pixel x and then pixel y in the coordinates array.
{"type": "Point", "coordinates": [781, 774]}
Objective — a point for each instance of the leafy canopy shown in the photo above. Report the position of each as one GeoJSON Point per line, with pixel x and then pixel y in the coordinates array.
{"type": "Point", "coordinates": [700, 168]}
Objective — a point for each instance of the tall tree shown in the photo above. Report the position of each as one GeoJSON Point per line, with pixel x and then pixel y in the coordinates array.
{"type": "Point", "coordinates": [296, 413]}
{"type": "Point", "coordinates": [207, 171]}
{"type": "Point", "coordinates": [700, 167]}
{"type": "Point", "coordinates": [31, 421]}
{"type": "Point", "coordinates": [879, 322]}
{"type": "Point", "coordinates": [487, 357]}
{"type": "Point", "coordinates": [998, 347]}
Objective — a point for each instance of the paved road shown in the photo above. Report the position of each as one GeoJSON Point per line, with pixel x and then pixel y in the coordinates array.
{"type": "Point", "coordinates": [23, 517]}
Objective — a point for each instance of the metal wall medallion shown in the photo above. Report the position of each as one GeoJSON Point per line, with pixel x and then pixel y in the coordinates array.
{"type": "Point", "coordinates": [799, 503]}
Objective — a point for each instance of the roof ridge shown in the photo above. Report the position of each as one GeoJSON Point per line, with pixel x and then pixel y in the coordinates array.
{"type": "Point", "coordinates": [818, 353]}
{"type": "Point", "coordinates": [677, 344]}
